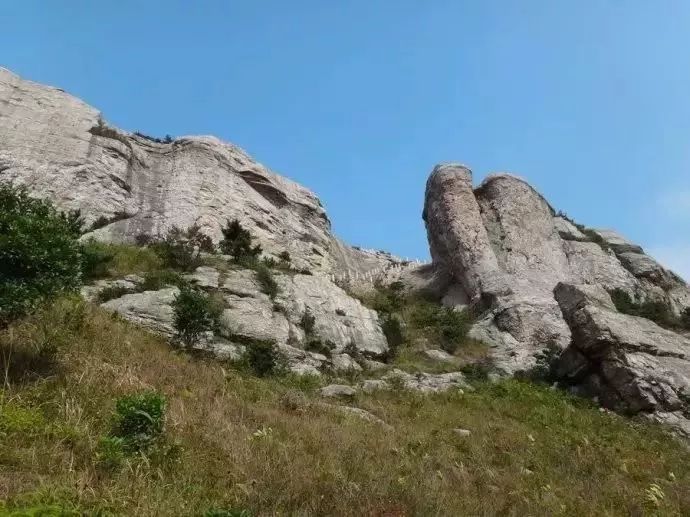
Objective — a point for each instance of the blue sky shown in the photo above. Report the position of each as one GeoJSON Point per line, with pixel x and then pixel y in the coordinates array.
{"type": "Point", "coordinates": [588, 100]}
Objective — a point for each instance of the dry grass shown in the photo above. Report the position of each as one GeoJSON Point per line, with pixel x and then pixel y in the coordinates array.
{"type": "Point", "coordinates": [532, 451]}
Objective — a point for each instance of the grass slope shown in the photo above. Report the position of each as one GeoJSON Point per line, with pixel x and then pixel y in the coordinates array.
{"type": "Point", "coordinates": [234, 441]}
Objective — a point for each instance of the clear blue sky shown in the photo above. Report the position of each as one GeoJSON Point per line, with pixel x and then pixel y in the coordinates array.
{"type": "Point", "coordinates": [589, 100]}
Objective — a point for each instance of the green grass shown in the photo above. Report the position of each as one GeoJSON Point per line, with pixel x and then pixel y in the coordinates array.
{"type": "Point", "coordinates": [265, 445]}
{"type": "Point", "coordinates": [126, 259]}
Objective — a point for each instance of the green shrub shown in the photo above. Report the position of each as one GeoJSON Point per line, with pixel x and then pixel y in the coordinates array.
{"type": "Point", "coordinates": [266, 281]}
{"type": "Point", "coordinates": [39, 252]}
{"type": "Point", "coordinates": [447, 325]}
{"type": "Point", "coordinates": [392, 329]}
{"type": "Point", "coordinates": [139, 420]}
{"type": "Point", "coordinates": [307, 322]}
{"type": "Point", "coordinates": [110, 453]}
{"type": "Point", "coordinates": [237, 242]}
{"type": "Point", "coordinates": [96, 259]}
{"type": "Point", "coordinates": [319, 347]}
{"type": "Point", "coordinates": [181, 249]}
{"type": "Point", "coordinates": [194, 314]}
{"type": "Point", "coordinates": [285, 257]}
{"type": "Point", "coordinates": [263, 358]}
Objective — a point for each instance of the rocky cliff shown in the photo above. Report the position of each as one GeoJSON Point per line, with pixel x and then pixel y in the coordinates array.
{"type": "Point", "coordinates": [541, 286]}
{"type": "Point", "coordinates": [538, 282]}
{"type": "Point", "coordinates": [129, 184]}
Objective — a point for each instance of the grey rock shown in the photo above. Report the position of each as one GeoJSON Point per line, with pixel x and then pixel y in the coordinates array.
{"type": "Point", "coordinates": [372, 385]}
{"type": "Point", "coordinates": [222, 350]}
{"type": "Point", "coordinates": [359, 326]}
{"type": "Point", "coordinates": [63, 150]}
{"type": "Point", "coordinates": [150, 309]}
{"type": "Point", "coordinates": [567, 230]}
{"type": "Point", "coordinates": [504, 251]}
{"type": "Point", "coordinates": [439, 355]}
{"type": "Point", "coordinates": [91, 292]}
{"type": "Point", "coordinates": [617, 242]}
{"type": "Point", "coordinates": [344, 363]}
{"type": "Point", "coordinates": [373, 366]}
{"type": "Point", "coordinates": [204, 277]}
{"type": "Point", "coordinates": [462, 432]}
{"type": "Point", "coordinates": [427, 382]}
{"type": "Point", "coordinates": [337, 391]}
{"type": "Point", "coordinates": [458, 239]}
{"type": "Point", "coordinates": [361, 414]}
{"type": "Point", "coordinates": [629, 363]}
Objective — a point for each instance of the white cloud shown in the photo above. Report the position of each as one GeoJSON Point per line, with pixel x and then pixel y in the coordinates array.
{"type": "Point", "coordinates": [676, 258]}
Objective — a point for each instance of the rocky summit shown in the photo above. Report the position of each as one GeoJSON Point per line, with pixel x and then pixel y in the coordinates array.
{"type": "Point", "coordinates": [540, 285]}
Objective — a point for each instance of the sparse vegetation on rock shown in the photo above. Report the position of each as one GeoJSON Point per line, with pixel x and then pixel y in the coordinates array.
{"type": "Point", "coordinates": [237, 242]}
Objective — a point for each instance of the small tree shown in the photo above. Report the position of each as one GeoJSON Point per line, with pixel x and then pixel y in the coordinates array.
{"type": "Point", "coordinates": [181, 249]}
{"type": "Point", "coordinates": [263, 358]}
{"type": "Point", "coordinates": [40, 255]}
{"type": "Point", "coordinates": [194, 314]}
{"type": "Point", "coordinates": [267, 282]}
{"type": "Point", "coordinates": [237, 242]}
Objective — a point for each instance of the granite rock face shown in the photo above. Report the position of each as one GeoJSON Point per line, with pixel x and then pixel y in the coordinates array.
{"type": "Point", "coordinates": [340, 322]}
{"type": "Point", "coordinates": [504, 249]}
{"type": "Point", "coordinates": [62, 149]}
{"type": "Point", "coordinates": [629, 363]}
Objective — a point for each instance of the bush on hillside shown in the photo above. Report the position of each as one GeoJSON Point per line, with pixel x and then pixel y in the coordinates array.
{"type": "Point", "coordinates": [181, 249]}
{"type": "Point", "coordinates": [263, 358]}
{"type": "Point", "coordinates": [654, 310]}
{"type": "Point", "coordinates": [39, 252]}
{"type": "Point", "coordinates": [139, 420]}
{"type": "Point", "coordinates": [393, 330]}
{"type": "Point", "coordinates": [267, 281]}
{"type": "Point", "coordinates": [194, 314]}
{"type": "Point", "coordinates": [96, 258]}
{"type": "Point", "coordinates": [237, 242]}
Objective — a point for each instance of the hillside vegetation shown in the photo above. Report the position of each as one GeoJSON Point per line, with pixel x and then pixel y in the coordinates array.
{"type": "Point", "coordinates": [99, 417]}
{"type": "Point", "coordinates": [233, 441]}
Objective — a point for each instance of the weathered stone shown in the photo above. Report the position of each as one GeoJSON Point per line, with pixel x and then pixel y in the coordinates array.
{"type": "Point", "coordinates": [629, 363]}
{"type": "Point", "coordinates": [338, 391]}
{"type": "Point", "coordinates": [567, 230]}
{"type": "Point", "coordinates": [462, 432]}
{"type": "Point", "coordinates": [204, 277]}
{"type": "Point", "coordinates": [362, 414]}
{"type": "Point", "coordinates": [344, 363]}
{"type": "Point", "coordinates": [372, 385]}
{"type": "Point", "coordinates": [428, 382]}
{"type": "Point", "coordinates": [150, 309]}
{"type": "Point", "coordinates": [617, 242]}
{"type": "Point", "coordinates": [457, 237]}
{"type": "Point", "coordinates": [130, 282]}
{"type": "Point", "coordinates": [439, 355]}
{"type": "Point", "coordinates": [339, 318]}
{"type": "Point", "coordinates": [63, 150]}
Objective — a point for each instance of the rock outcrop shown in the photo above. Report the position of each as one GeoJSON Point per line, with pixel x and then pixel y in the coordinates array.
{"type": "Point", "coordinates": [130, 184]}
{"type": "Point", "coordinates": [505, 249]}
{"type": "Point", "coordinates": [541, 284]}
{"type": "Point", "coordinates": [629, 363]}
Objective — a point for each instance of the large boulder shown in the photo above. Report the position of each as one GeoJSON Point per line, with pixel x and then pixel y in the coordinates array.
{"type": "Point", "coordinates": [504, 249]}
{"type": "Point", "coordinates": [629, 363]}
